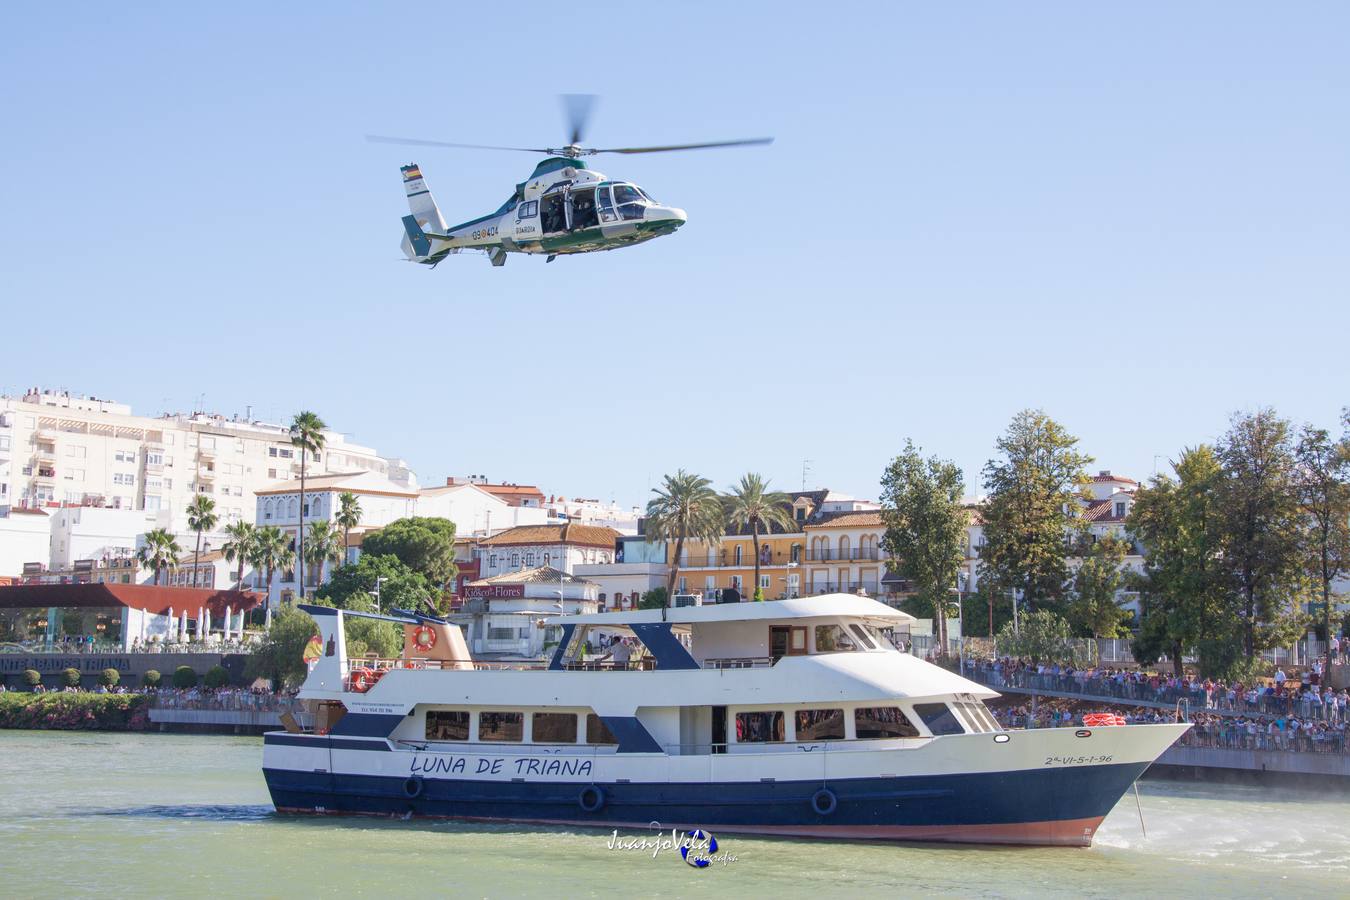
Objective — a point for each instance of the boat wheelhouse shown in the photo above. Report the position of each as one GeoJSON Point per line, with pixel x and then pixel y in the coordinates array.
{"type": "Point", "coordinates": [793, 717]}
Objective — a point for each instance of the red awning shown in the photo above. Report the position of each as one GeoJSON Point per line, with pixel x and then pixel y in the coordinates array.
{"type": "Point", "coordinates": [148, 597]}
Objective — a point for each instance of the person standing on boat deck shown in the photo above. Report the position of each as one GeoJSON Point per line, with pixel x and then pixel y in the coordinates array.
{"type": "Point", "coordinates": [620, 652]}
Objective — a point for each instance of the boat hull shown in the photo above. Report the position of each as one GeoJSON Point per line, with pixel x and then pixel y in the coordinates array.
{"type": "Point", "coordinates": [1052, 807]}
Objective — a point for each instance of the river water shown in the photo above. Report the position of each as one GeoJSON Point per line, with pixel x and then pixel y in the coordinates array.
{"type": "Point", "coordinates": [161, 815]}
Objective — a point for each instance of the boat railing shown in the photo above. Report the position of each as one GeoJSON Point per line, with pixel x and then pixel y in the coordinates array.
{"type": "Point", "coordinates": [739, 662]}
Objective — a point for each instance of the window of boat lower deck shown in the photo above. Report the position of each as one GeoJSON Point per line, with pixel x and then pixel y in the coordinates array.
{"type": "Point", "coordinates": [939, 718]}
{"type": "Point", "coordinates": [820, 724]}
{"type": "Point", "coordinates": [501, 726]}
{"type": "Point", "coordinates": [597, 732]}
{"type": "Point", "coordinates": [760, 727]}
{"type": "Point", "coordinates": [877, 722]}
{"type": "Point", "coordinates": [447, 725]}
{"type": "Point", "coordinates": [553, 728]}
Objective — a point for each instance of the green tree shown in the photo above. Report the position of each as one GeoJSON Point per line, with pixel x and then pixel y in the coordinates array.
{"type": "Point", "coordinates": [160, 551]}
{"type": "Point", "coordinates": [1093, 608]}
{"type": "Point", "coordinates": [307, 436]}
{"type": "Point", "coordinates": [184, 678]}
{"type": "Point", "coordinates": [201, 516]}
{"type": "Point", "coordinates": [1261, 527]}
{"type": "Point", "coordinates": [71, 677]}
{"type": "Point", "coordinates": [425, 545]}
{"type": "Point", "coordinates": [32, 677]}
{"type": "Point", "coordinates": [400, 587]}
{"type": "Point", "coordinates": [280, 656]}
{"type": "Point", "coordinates": [216, 678]}
{"type": "Point", "coordinates": [1035, 486]}
{"type": "Point", "coordinates": [656, 598]}
{"type": "Point", "coordinates": [685, 508]}
{"type": "Point", "coordinates": [1186, 595]}
{"type": "Point", "coordinates": [271, 551]}
{"type": "Point", "coordinates": [1042, 637]}
{"type": "Point", "coordinates": [1322, 480]}
{"type": "Point", "coordinates": [239, 547]}
{"type": "Point", "coordinates": [109, 678]}
{"type": "Point", "coordinates": [322, 544]}
{"type": "Point", "coordinates": [752, 505]}
{"type": "Point", "coordinates": [348, 517]}
{"type": "Point", "coordinates": [151, 678]}
{"type": "Point", "coordinates": [925, 529]}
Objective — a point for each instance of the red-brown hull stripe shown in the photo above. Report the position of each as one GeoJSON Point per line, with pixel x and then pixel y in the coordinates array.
{"type": "Point", "coordinates": [1063, 833]}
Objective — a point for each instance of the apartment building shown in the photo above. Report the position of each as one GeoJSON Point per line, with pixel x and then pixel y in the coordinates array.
{"type": "Point", "coordinates": [62, 449]}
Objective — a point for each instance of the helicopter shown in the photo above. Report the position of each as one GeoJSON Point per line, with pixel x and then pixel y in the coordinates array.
{"type": "Point", "coordinates": [563, 207]}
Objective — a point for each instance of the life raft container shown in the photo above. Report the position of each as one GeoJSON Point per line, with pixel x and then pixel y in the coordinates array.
{"type": "Point", "coordinates": [1101, 720]}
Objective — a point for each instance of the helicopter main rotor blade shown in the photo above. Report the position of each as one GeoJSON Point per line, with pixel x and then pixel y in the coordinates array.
{"type": "Point", "coordinates": [577, 108]}
{"type": "Point", "coordinates": [417, 142]}
{"type": "Point", "coordinates": [666, 149]}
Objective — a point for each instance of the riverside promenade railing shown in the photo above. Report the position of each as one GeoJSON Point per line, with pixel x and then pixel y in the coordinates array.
{"type": "Point", "coordinates": [1127, 689]}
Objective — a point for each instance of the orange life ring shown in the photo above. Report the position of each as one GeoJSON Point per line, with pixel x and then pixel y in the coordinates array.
{"type": "Point", "coordinates": [424, 638]}
{"type": "Point", "coordinates": [361, 680]}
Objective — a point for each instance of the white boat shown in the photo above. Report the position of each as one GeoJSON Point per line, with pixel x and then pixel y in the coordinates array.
{"type": "Point", "coordinates": [789, 717]}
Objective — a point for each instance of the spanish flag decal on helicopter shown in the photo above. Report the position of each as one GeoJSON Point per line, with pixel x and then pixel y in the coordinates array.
{"type": "Point", "coordinates": [411, 172]}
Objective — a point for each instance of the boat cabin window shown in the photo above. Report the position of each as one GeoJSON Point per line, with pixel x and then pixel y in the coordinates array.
{"type": "Point", "coordinates": [863, 637]}
{"type": "Point", "coordinates": [501, 726]}
{"type": "Point", "coordinates": [597, 732]}
{"type": "Point", "coordinates": [764, 727]}
{"type": "Point", "coordinates": [553, 728]}
{"type": "Point", "coordinates": [604, 204]}
{"type": "Point", "coordinates": [528, 210]}
{"type": "Point", "coordinates": [629, 201]}
{"type": "Point", "coordinates": [976, 717]}
{"type": "Point", "coordinates": [939, 718]}
{"type": "Point", "coordinates": [836, 639]}
{"type": "Point", "coordinates": [820, 724]}
{"type": "Point", "coordinates": [447, 725]}
{"type": "Point", "coordinates": [882, 722]}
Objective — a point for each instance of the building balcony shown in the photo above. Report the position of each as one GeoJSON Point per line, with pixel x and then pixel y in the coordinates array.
{"type": "Point", "coordinates": [851, 555]}
{"type": "Point", "coordinates": [205, 474]}
{"type": "Point", "coordinates": [721, 560]}
{"type": "Point", "coordinates": [872, 588]}
{"type": "Point", "coordinates": [44, 474]}
{"type": "Point", "coordinates": [44, 454]}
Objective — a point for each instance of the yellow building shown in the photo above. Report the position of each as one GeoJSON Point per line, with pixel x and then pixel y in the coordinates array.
{"type": "Point", "coordinates": [710, 569]}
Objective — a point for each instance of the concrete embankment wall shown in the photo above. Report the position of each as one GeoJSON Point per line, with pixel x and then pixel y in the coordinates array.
{"type": "Point", "coordinates": [230, 721]}
{"type": "Point", "coordinates": [1322, 770]}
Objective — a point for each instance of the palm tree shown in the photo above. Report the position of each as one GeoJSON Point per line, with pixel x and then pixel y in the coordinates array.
{"type": "Point", "coordinates": [323, 545]}
{"type": "Point", "coordinates": [348, 517]}
{"type": "Point", "coordinates": [271, 551]}
{"type": "Point", "coordinates": [685, 508]}
{"type": "Point", "coordinates": [240, 547]}
{"type": "Point", "coordinates": [751, 504]}
{"type": "Point", "coordinates": [201, 516]}
{"type": "Point", "coordinates": [307, 434]}
{"type": "Point", "coordinates": [159, 552]}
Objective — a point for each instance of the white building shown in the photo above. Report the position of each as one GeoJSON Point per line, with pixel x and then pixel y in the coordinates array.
{"type": "Point", "coordinates": [475, 511]}
{"type": "Point", "coordinates": [562, 547]}
{"type": "Point", "coordinates": [595, 512]}
{"type": "Point", "coordinates": [25, 537]}
{"type": "Point", "coordinates": [504, 614]}
{"type": "Point", "coordinates": [57, 448]}
{"type": "Point", "coordinates": [382, 501]}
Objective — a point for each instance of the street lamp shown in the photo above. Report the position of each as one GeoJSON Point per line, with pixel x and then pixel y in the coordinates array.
{"type": "Point", "coordinates": [376, 593]}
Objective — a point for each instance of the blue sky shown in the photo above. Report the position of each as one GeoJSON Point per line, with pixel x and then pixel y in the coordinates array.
{"type": "Point", "coordinates": [1135, 218]}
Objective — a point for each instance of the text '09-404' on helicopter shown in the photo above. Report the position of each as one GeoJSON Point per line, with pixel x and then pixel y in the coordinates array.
{"type": "Point", "coordinates": [563, 207]}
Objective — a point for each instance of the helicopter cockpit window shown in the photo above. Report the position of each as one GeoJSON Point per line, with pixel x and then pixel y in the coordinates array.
{"type": "Point", "coordinates": [629, 201]}
{"type": "Point", "coordinates": [528, 210]}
